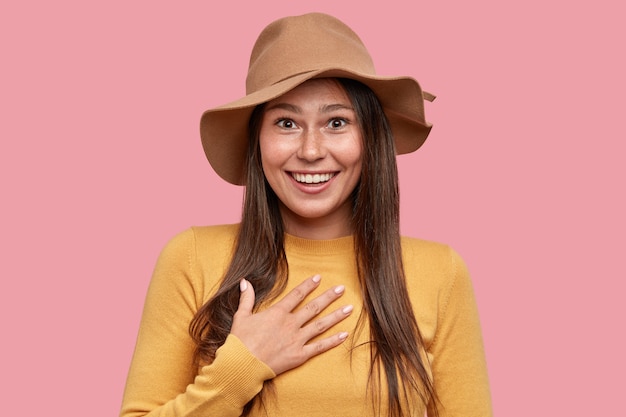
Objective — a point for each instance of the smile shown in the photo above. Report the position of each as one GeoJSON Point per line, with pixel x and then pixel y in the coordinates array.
{"type": "Point", "coordinates": [312, 178]}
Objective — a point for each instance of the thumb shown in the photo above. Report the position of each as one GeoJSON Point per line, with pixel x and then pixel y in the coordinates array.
{"type": "Point", "coordinates": [246, 298]}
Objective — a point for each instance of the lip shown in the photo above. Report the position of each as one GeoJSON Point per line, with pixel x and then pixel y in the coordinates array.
{"type": "Point", "coordinates": [312, 188]}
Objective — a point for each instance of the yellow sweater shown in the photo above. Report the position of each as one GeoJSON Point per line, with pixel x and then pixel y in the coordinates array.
{"type": "Point", "coordinates": [163, 382]}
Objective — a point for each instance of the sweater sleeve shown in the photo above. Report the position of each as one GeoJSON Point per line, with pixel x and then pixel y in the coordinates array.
{"type": "Point", "coordinates": [162, 380]}
{"type": "Point", "coordinates": [458, 358]}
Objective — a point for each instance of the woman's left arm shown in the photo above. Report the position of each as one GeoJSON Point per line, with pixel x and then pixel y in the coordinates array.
{"type": "Point", "coordinates": [458, 359]}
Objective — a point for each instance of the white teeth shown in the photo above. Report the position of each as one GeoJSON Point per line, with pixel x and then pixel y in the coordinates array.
{"type": "Point", "coordinates": [311, 178]}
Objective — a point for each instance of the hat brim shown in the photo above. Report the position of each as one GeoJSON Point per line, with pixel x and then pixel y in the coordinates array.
{"type": "Point", "coordinates": [224, 129]}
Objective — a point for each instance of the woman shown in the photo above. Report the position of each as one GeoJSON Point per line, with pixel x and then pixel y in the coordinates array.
{"type": "Point", "coordinates": [238, 320]}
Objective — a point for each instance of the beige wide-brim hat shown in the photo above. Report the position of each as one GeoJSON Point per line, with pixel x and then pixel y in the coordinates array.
{"type": "Point", "coordinates": [290, 51]}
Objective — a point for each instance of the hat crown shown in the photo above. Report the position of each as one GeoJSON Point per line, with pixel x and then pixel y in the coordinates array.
{"type": "Point", "coordinates": [299, 44]}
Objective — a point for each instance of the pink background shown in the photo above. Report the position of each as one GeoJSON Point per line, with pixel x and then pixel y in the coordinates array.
{"type": "Point", "coordinates": [101, 163]}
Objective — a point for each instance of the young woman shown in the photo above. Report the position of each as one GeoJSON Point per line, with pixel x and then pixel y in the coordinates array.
{"type": "Point", "coordinates": [313, 305]}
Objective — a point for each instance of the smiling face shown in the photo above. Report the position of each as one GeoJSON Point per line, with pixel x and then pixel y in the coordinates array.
{"type": "Point", "coordinates": [311, 152]}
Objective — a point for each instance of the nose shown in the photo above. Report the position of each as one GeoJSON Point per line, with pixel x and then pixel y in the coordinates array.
{"type": "Point", "coordinates": [311, 146]}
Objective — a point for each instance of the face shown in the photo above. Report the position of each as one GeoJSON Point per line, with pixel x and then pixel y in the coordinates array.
{"type": "Point", "coordinates": [311, 151]}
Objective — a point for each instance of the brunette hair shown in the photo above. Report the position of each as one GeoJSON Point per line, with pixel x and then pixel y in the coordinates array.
{"type": "Point", "coordinates": [396, 346]}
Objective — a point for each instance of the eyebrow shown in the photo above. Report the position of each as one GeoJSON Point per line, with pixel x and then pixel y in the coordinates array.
{"type": "Point", "coordinates": [327, 108]}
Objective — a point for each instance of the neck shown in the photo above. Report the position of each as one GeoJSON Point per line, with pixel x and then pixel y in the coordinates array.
{"type": "Point", "coordinates": [328, 227]}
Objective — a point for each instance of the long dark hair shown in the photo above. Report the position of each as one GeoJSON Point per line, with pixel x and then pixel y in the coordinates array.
{"type": "Point", "coordinates": [396, 344]}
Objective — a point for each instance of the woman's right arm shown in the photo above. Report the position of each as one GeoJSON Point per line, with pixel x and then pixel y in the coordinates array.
{"type": "Point", "coordinates": [163, 380]}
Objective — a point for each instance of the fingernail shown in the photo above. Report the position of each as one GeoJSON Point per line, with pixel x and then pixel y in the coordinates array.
{"type": "Point", "coordinates": [243, 285]}
{"type": "Point", "coordinates": [339, 289]}
{"type": "Point", "coordinates": [347, 309]}
{"type": "Point", "coordinates": [343, 335]}
{"type": "Point", "coordinates": [316, 278]}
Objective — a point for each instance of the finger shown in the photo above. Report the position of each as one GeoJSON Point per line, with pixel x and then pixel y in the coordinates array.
{"type": "Point", "coordinates": [295, 296]}
{"type": "Point", "coordinates": [318, 304]}
{"type": "Point", "coordinates": [246, 298]}
{"type": "Point", "coordinates": [323, 345]}
{"type": "Point", "coordinates": [321, 324]}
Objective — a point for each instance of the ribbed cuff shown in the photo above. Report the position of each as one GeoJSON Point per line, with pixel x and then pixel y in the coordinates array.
{"type": "Point", "coordinates": [240, 373]}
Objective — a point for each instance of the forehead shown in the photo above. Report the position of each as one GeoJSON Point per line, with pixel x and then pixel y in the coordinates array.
{"type": "Point", "coordinates": [322, 90]}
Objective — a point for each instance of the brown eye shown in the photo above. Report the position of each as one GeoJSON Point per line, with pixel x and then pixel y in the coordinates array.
{"type": "Point", "coordinates": [286, 124]}
{"type": "Point", "coordinates": [337, 123]}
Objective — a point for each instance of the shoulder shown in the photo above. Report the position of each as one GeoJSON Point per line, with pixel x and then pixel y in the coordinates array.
{"type": "Point", "coordinates": [198, 256]}
{"type": "Point", "coordinates": [432, 263]}
{"type": "Point", "coordinates": [224, 234]}
{"type": "Point", "coordinates": [430, 256]}
{"type": "Point", "coordinates": [199, 247]}
{"type": "Point", "coordinates": [201, 238]}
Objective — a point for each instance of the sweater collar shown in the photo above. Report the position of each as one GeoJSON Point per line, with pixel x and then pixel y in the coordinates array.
{"type": "Point", "coordinates": [342, 245]}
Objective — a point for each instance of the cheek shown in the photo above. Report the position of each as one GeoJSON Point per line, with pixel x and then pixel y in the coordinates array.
{"type": "Point", "coordinates": [358, 161]}
{"type": "Point", "coordinates": [275, 151]}
{"type": "Point", "coordinates": [269, 156]}
{"type": "Point", "coordinates": [273, 157]}
{"type": "Point", "coordinates": [268, 152]}
{"type": "Point", "coordinates": [353, 155]}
